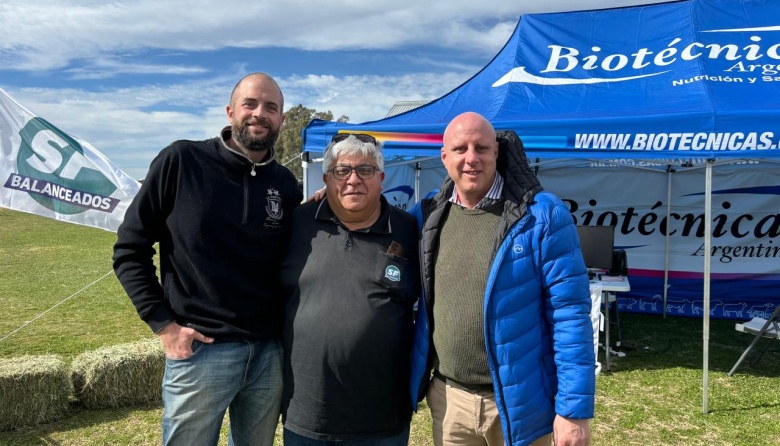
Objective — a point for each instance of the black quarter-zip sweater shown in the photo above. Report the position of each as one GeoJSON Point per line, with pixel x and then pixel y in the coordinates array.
{"type": "Point", "coordinates": [222, 223]}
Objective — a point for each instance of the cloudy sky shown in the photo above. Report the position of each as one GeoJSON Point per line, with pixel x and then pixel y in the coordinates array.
{"type": "Point", "coordinates": [130, 76]}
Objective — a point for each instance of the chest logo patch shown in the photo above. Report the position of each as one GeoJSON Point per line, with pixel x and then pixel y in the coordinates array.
{"type": "Point", "coordinates": [273, 208]}
{"type": "Point", "coordinates": [392, 273]}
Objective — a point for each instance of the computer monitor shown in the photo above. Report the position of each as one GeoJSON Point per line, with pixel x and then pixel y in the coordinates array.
{"type": "Point", "coordinates": [597, 244]}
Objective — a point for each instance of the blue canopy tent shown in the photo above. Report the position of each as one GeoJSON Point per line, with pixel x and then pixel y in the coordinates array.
{"type": "Point", "coordinates": [689, 67]}
{"type": "Point", "coordinates": [673, 81]}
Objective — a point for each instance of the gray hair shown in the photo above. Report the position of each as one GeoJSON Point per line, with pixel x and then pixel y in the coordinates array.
{"type": "Point", "coordinates": [351, 147]}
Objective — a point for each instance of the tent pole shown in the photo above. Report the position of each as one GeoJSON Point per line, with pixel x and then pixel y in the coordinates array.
{"type": "Point", "coordinates": [305, 174]}
{"type": "Point", "coordinates": [669, 171]}
{"type": "Point", "coordinates": [417, 173]}
{"type": "Point", "coordinates": [706, 299]}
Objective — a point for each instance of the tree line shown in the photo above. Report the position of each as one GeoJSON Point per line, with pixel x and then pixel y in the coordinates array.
{"type": "Point", "coordinates": [290, 143]}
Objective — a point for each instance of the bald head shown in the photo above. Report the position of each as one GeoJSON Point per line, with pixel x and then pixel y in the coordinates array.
{"type": "Point", "coordinates": [469, 122]}
{"type": "Point", "coordinates": [257, 78]}
{"type": "Point", "coordinates": [469, 154]}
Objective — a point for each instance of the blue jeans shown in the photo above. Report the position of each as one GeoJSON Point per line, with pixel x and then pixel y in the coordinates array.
{"type": "Point", "coordinates": [242, 376]}
{"type": "Point", "coordinates": [293, 439]}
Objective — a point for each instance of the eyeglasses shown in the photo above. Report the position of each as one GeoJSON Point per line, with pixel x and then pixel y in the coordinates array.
{"type": "Point", "coordinates": [364, 171]}
{"type": "Point", "coordinates": [362, 137]}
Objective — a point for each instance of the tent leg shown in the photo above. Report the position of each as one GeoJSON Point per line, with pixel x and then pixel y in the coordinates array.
{"type": "Point", "coordinates": [706, 297]}
{"type": "Point", "coordinates": [669, 172]}
{"type": "Point", "coordinates": [417, 173]}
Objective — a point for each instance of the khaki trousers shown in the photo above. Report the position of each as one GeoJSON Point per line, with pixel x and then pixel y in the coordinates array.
{"type": "Point", "coordinates": [466, 418]}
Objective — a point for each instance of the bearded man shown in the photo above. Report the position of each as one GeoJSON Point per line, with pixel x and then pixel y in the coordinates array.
{"type": "Point", "coordinates": [220, 211]}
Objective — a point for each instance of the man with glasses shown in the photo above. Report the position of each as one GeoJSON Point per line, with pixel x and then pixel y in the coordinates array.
{"type": "Point", "coordinates": [351, 279]}
{"type": "Point", "coordinates": [220, 210]}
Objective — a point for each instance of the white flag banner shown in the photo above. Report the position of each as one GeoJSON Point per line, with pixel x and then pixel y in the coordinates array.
{"type": "Point", "coordinates": [47, 172]}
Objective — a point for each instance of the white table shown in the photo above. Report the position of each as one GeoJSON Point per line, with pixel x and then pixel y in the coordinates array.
{"type": "Point", "coordinates": [602, 291]}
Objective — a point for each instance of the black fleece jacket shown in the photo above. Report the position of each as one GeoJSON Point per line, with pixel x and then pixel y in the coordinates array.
{"type": "Point", "coordinates": [223, 224]}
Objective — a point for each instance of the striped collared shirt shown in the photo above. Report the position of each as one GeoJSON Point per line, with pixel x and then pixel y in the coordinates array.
{"type": "Point", "coordinates": [493, 196]}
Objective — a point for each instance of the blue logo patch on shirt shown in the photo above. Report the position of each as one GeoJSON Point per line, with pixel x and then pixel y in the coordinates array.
{"type": "Point", "coordinates": [392, 273]}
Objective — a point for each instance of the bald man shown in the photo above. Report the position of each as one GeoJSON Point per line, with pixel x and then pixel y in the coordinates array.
{"type": "Point", "coordinates": [220, 210]}
{"type": "Point", "coordinates": [504, 323]}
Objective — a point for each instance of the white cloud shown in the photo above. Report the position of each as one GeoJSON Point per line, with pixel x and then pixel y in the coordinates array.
{"type": "Point", "coordinates": [105, 68]}
{"type": "Point", "coordinates": [366, 98]}
{"type": "Point", "coordinates": [49, 34]}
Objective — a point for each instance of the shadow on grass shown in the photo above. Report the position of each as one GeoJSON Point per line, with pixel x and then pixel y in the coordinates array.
{"type": "Point", "coordinates": [751, 408]}
{"type": "Point", "coordinates": [651, 342]}
{"type": "Point", "coordinates": [78, 418]}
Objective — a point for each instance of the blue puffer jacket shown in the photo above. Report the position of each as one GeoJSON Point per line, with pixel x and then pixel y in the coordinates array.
{"type": "Point", "coordinates": [538, 332]}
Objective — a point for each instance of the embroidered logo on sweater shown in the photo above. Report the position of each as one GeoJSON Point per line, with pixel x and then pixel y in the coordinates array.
{"type": "Point", "coordinates": [273, 208]}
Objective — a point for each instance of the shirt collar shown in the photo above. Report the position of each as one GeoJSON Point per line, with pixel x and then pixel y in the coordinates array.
{"type": "Point", "coordinates": [492, 197]}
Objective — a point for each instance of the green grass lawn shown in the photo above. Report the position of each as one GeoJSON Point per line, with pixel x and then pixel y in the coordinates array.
{"type": "Point", "coordinates": [653, 396]}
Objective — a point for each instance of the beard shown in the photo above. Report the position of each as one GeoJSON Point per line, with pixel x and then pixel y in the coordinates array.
{"type": "Point", "coordinates": [240, 132]}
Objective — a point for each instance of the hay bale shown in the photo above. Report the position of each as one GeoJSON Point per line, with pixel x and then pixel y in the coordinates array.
{"type": "Point", "coordinates": [119, 375]}
{"type": "Point", "coordinates": [33, 390]}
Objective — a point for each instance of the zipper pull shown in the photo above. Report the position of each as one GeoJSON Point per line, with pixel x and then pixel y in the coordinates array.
{"type": "Point", "coordinates": [253, 173]}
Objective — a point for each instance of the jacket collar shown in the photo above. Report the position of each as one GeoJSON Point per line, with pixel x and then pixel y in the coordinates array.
{"type": "Point", "coordinates": [225, 135]}
{"type": "Point", "coordinates": [520, 181]}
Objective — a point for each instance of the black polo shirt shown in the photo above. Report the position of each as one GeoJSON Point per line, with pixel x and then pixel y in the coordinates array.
{"type": "Point", "coordinates": [348, 324]}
